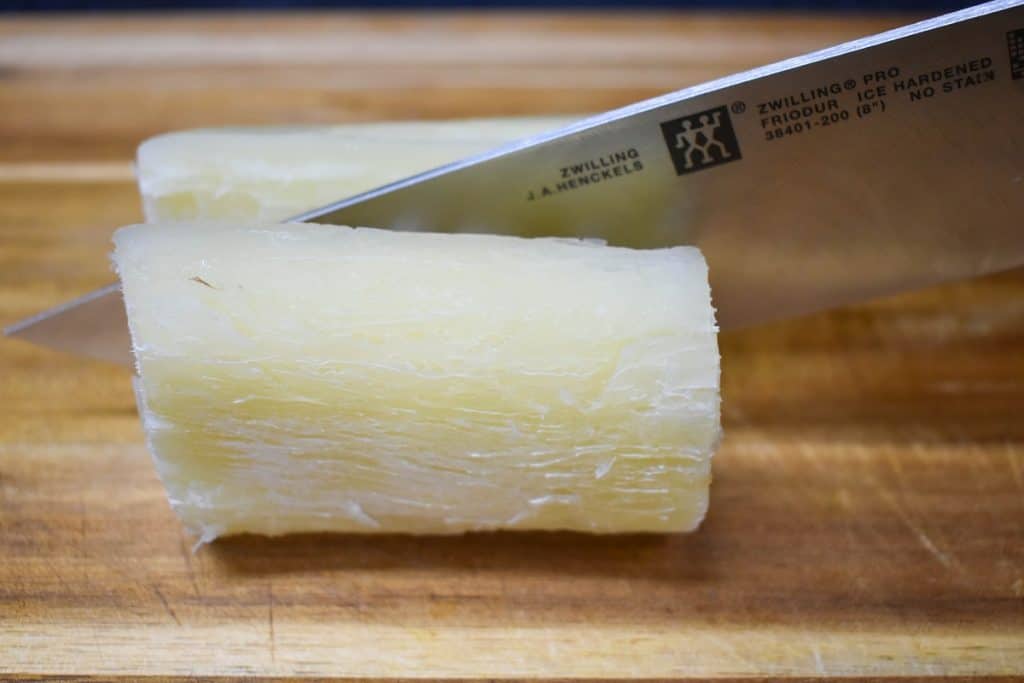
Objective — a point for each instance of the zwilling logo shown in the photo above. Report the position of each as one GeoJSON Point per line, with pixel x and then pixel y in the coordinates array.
{"type": "Point", "coordinates": [701, 140]}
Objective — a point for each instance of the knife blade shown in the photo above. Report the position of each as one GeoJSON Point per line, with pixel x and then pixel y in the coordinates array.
{"type": "Point", "coordinates": [883, 164]}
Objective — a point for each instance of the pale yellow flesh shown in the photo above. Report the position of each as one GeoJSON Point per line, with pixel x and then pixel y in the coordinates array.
{"type": "Point", "coordinates": [276, 173]}
{"type": "Point", "coordinates": [307, 378]}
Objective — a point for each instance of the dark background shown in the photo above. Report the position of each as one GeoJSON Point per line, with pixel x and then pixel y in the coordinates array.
{"type": "Point", "coordinates": [924, 6]}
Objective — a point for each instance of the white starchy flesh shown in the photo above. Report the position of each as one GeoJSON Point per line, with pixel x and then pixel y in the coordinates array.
{"type": "Point", "coordinates": [306, 378]}
{"type": "Point", "coordinates": [272, 174]}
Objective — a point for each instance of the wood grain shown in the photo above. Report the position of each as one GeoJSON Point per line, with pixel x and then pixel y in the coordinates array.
{"type": "Point", "coordinates": [867, 514]}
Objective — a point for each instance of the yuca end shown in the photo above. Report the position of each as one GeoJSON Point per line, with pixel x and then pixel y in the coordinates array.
{"type": "Point", "coordinates": [313, 378]}
{"type": "Point", "coordinates": [274, 173]}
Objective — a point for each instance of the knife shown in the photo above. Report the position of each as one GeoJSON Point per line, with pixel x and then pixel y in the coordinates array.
{"type": "Point", "coordinates": [883, 164]}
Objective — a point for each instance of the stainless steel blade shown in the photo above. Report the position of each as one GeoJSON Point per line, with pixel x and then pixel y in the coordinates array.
{"type": "Point", "coordinates": [883, 164]}
{"type": "Point", "coordinates": [93, 325]}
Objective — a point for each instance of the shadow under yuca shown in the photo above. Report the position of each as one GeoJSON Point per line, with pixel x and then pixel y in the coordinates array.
{"type": "Point", "coordinates": [666, 556]}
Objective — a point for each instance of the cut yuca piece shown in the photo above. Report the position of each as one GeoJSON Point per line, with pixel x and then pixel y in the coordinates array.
{"type": "Point", "coordinates": [307, 378]}
{"type": "Point", "coordinates": [272, 174]}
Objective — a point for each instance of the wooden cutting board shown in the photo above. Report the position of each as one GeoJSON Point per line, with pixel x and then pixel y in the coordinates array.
{"type": "Point", "coordinates": [868, 508]}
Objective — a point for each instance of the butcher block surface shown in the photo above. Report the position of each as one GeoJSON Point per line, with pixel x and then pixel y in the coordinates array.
{"type": "Point", "coordinates": [867, 514]}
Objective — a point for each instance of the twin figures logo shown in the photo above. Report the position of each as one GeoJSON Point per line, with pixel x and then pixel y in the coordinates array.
{"type": "Point", "coordinates": [702, 140]}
